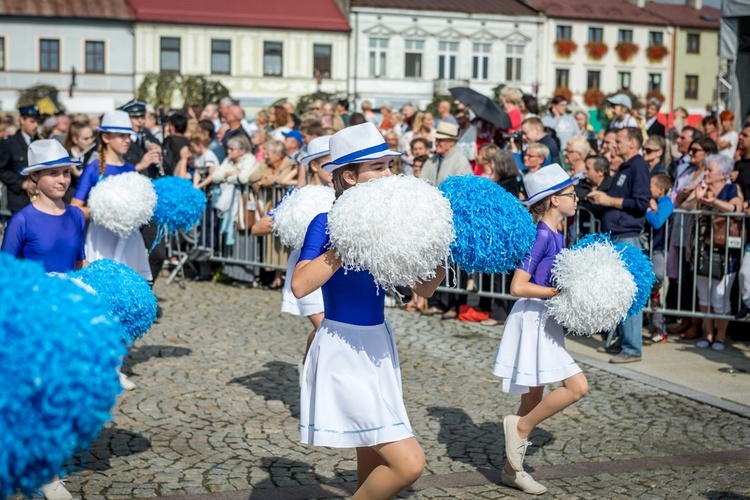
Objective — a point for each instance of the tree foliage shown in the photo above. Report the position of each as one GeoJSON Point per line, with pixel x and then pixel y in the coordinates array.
{"type": "Point", "coordinates": [32, 95]}
{"type": "Point", "coordinates": [160, 89]}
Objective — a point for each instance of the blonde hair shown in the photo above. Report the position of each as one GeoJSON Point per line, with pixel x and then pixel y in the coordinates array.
{"type": "Point", "coordinates": [512, 95]}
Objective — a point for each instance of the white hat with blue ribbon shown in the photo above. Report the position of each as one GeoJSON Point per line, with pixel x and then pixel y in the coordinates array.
{"type": "Point", "coordinates": [318, 148]}
{"type": "Point", "coordinates": [47, 153]}
{"type": "Point", "coordinates": [357, 144]}
{"type": "Point", "coordinates": [545, 182]}
{"type": "Point", "coordinates": [116, 122]}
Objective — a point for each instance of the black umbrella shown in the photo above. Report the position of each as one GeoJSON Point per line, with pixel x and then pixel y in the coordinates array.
{"type": "Point", "coordinates": [482, 106]}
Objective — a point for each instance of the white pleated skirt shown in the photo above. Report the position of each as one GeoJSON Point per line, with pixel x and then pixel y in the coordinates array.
{"type": "Point", "coordinates": [532, 351]}
{"type": "Point", "coordinates": [351, 388]}
{"type": "Point", "coordinates": [307, 305]}
{"type": "Point", "coordinates": [101, 243]}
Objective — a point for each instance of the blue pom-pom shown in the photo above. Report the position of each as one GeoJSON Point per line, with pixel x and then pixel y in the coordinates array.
{"type": "Point", "coordinates": [131, 301]}
{"type": "Point", "coordinates": [179, 205]}
{"type": "Point", "coordinates": [59, 353]}
{"type": "Point", "coordinates": [494, 231]}
{"type": "Point", "coordinates": [640, 266]}
{"type": "Point", "coordinates": [636, 262]}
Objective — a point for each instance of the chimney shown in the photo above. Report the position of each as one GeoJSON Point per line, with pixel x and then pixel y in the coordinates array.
{"type": "Point", "coordinates": [640, 3]}
{"type": "Point", "coordinates": [696, 4]}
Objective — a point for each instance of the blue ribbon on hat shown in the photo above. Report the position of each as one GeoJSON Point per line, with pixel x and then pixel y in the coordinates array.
{"type": "Point", "coordinates": [351, 157]}
{"type": "Point", "coordinates": [554, 188]}
{"type": "Point", "coordinates": [65, 159]}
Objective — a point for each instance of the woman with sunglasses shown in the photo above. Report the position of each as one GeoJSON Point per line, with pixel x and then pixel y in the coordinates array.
{"type": "Point", "coordinates": [653, 150]}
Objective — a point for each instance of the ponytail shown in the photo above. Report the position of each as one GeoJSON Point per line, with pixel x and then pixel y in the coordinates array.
{"type": "Point", "coordinates": [102, 158]}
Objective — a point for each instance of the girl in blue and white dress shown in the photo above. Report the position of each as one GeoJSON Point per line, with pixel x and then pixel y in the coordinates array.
{"type": "Point", "coordinates": [532, 350]}
{"type": "Point", "coordinates": [351, 387]}
{"type": "Point", "coordinates": [101, 243]}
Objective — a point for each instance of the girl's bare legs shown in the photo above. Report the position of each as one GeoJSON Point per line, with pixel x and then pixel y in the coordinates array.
{"type": "Point", "coordinates": [529, 401]}
{"type": "Point", "coordinates": [399, 465]}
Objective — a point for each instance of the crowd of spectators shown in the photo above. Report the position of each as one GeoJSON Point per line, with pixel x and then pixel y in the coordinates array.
{"type": "Point", "coordinates": [630, 177]}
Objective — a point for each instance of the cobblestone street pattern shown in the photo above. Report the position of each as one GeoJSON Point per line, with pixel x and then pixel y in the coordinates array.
{"type": "Point", "coordinates": [215, 415]}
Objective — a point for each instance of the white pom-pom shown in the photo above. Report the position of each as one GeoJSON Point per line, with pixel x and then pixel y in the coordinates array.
{"type": "Point", "coordinates": [399, 228]}
{"type": "Point", "coordinates": [596, 290]}
{"type": "Point", "coordinates": [297, 210]}
{"type": "Point", "coordinates": [122, 203]}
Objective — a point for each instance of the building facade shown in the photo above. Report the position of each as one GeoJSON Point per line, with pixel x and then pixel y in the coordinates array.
{"type": "Point", "coordinates": [408, 51]}
{"type": "Point", "coordinates": [65, 45]}
{"type": "Point", "coordinates": [260, 59]}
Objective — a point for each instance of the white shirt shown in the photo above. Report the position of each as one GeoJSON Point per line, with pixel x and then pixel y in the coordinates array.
{"type": "Point", "coordinates": [628, 121]}
{"type": "Point", "coordinates": [733, 138]}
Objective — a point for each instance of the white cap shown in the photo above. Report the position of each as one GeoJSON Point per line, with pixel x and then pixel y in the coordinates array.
{"type": "Point", "coordinates": [544, 182]}
{"type": "Point", "coordinates": [622, 99]}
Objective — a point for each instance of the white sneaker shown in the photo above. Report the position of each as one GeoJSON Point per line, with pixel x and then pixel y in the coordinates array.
{"type": "Point", "coordinates": [125, 382]}
{"type": "Point", "coordinates": [56, 491]}
{"type": "Point", "coordinates": [515, 446]}
{"type": "Point", "coordinates": [523, 482]}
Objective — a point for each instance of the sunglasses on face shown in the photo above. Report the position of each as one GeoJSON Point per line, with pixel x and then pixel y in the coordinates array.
{"type": "Point", "coordinates": [692, 151]}
{"type": "Point", "coordinates": [649, 150]}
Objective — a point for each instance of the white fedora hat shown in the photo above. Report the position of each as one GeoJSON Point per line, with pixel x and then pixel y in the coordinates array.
{"type": "Point", "coordinates": [357, 144]}
{"type": "Point", "coordinates": [318, 148]}
{"type": "Point", "coordinates": [544, 182]}
{"type": "Point", "coordinates": [116, 122]}
{"type": "Point", "coordinates": [47, 153]}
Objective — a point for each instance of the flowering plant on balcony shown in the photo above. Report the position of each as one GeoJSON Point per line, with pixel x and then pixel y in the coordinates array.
{"type": "Point", "coordinates": [565, 47]}
{"type": "Point", "coordinates": [626, 50]}
{"type": "Point", "coordinates": [655, 94]}
{"type": "Point", "coordinates": [596, 50]}
{"type": "Point", "coordinates": [593, 97]}
{"type": "Point", "coordinates": [565, 92]}
{"type": "Point", "coordinates": [656, 53]}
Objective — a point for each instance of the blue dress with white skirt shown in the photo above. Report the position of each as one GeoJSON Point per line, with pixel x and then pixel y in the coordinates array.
{"type": "Point", "coordinates": [351, 383]}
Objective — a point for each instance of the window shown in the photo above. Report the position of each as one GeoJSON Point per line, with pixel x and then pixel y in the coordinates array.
{"type": "Point", "coordinates": [49, 55]}
{"type": "Point", "coordinates": [221, 57]}
{"type": "Point", "coordinates": [691, 86]}
{"type": "Point", "coordinates": [273, 58]}
{"type": "Point", "coordinates": [654, 82]}
{"type": "Point", "coordinates": [94, 57]}
{"type": "Point", "coordinates": [655, 38]}
{"type": "Point", "coordinates": [2, 53]}
{"type": "Point", "coordinates": [562, 77]}
{"type": "Point", "coordinates": [413, 59]}
{"type": "Point", "coordinates": [693, 43]}
{"type": "Point", "coordinates": [447, 60]}
{"type": "Point", "coordinates": [625, 36]}
{"type": "Point", "coordinates": [593, 80]}
{"type": "Point", "coordinates": [378, 53]}
{"type": "Point", "coordinates": [481, 61]}
{"type": "Point", "coordinates": [596, 34]}
{"type": "Point", "coordinates": [623, 80]}
{"type": "Point", "coordinates": [513, 63]}
{"type": "Point", "coordinates": [322, 60]}
{"type": "Point", "coordinates": [564, 32]}
{"type": "Point", "coordinates": [170, 55]}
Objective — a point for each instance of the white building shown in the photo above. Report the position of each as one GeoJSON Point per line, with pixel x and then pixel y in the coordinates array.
{"type": "Point", "coordinates": [260, 51]}
{"type": "Point", "coordinates": [610, 22]}
{"type": "Point", "coordinates": [408, 50]}
{"type": "Point", "coordinates": [48, 42]}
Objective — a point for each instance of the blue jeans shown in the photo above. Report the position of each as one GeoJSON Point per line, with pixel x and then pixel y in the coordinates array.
{"type": "Point", "coordinates": [629, 331]}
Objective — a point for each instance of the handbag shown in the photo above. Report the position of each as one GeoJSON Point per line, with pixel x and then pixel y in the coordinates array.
{"type": "Point", "coordinates": [710, 260]}
{"type": "Point", "coordinates": [720, 229]}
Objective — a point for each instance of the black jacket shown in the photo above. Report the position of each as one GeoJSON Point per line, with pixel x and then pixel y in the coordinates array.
{"type": "Point", "coordinates": [656, 128]}
{"type": "Point", "coordinates": [13, 157]}
{"type": "Point", "coordinates": [138, 148]}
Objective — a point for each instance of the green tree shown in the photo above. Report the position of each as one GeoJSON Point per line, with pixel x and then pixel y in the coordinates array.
{"type": "Point", "coordinates": [32, 95]}
{"type": "Point", "coordinates": [160, 89]}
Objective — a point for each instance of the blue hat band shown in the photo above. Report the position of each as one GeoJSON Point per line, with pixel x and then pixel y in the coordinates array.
{"type": "Point", "coordinates": [116, 130]}
{"type": "Point", "coordinates": [352, 157]}
{"type": "Point", "coordinates": [541, 194]}
{"type": "Point", "coordinates": [64, 159]}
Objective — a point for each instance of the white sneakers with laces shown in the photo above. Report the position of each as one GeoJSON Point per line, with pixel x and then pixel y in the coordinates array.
{"type": "Point", "coordinates": [523, 482]}
{"type": "Point", "coordinates": [56, 491]}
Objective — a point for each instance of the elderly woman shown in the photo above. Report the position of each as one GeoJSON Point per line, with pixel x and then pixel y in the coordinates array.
{"type": "Point", "coordinates": [683, 197]}
{"type": "Point", "coordinates": [239, 164]}
{"type": "Point", "coordinates": [653, 152]}
{"type": "Point", "coordinates": [716, 195]}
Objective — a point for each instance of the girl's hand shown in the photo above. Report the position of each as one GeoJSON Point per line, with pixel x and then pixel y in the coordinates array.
{"type": "Point", "coordinates": [653, 205]}
{"type": "Point", "coordinates": [554, 292]}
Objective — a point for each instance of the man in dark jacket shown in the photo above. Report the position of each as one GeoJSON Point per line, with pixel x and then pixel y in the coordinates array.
{"type": "Point", "coordinates": [653, 126]}
{"type": "Point", "coordinates": [13, 158]}
{"type": "Point", "coordinates": [145, 150]}
{"type": "Point", "coordinates": [624, 217]}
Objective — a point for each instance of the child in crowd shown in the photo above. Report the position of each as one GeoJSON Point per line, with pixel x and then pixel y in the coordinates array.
{"type": "Point", "coordinates": [532, 351]}
{"type": "Point", "coordinates": [659, 211]}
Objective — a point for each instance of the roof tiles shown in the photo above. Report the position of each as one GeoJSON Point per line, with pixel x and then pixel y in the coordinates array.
{"type": "Point", "coordinates": [505, 7]}
{"type": "Point", "coordinates": [82, 9]}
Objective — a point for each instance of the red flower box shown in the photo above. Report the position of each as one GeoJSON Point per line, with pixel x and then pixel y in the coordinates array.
{"type": "Point", "coordinates": [565, 47]}
{"type": "Point", "coordinates": [593, 97]}
{"type": "Point", "coordinates": [656, 53]}
{"type": "Point", "coordinates": [565, 92]}
{"type": "Point", "coordinates": [596, 50]}
{"type": "Point", "coordinates": [626, 50]}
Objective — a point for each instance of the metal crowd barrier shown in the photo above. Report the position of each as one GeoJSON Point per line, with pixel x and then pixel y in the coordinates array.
{"type": "Point", "coordinates": [234, 244]}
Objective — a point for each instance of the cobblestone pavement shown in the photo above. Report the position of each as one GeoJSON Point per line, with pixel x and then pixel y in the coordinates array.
{"type": "Point", "coordinates": [217, 403]}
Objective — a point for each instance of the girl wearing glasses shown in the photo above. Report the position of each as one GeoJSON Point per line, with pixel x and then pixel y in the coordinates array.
{"type": "Point", "coordinates": [532, 351]}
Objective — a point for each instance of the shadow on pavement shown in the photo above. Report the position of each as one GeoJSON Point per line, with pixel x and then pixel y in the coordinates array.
{"type": "Point", "coordinates": [481, 446]}
{"type": "Point", "coordinates": [112, 442]}
{"type": "Point", "coordinates": [282, 469]}
{"type": "Point", "coordinates": [724, 495]}
{"type": "Point", "coordinates": [279, 381]}
{"type": "Point", "coordinates": [144, 353]}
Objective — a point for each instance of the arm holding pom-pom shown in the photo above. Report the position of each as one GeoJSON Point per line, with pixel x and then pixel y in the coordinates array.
{"type": "Point", "coordinates": [263, 227]}
{"type": "Point", "coordinates": [309, 275]}
{"type": "Point", "coordinates": [427, 288]}
{"type": "Point", "coordinates": [521, 286]}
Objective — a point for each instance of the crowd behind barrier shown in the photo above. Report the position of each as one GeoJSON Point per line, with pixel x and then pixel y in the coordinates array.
{"type": "Point", "coordinates": [265, 252]}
